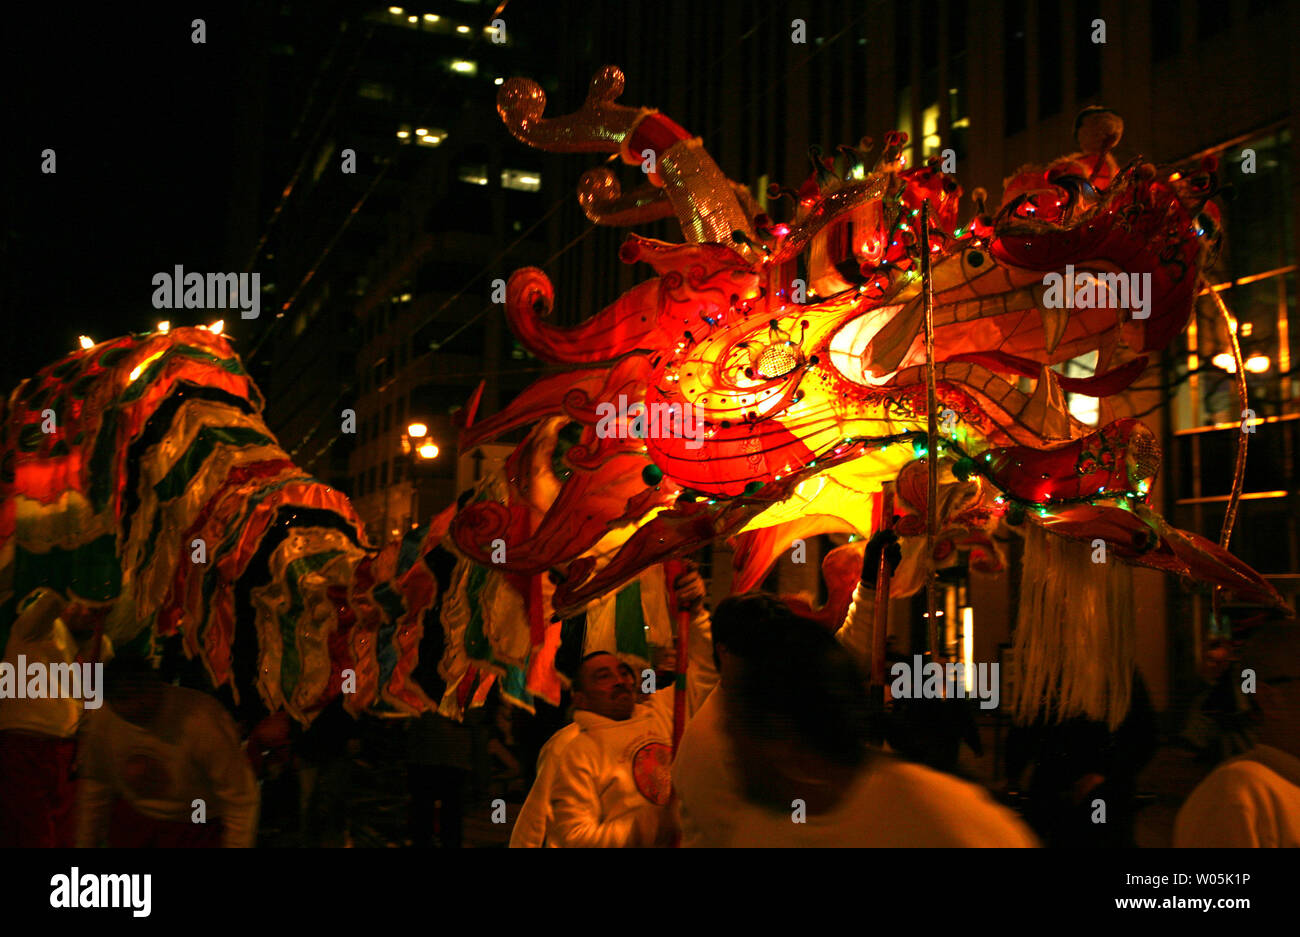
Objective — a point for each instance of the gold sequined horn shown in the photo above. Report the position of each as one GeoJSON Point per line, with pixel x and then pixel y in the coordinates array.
{"type": "Point", "coordinates": [700, 195]}
{"type": "Point", "coordinates": [603, 200]}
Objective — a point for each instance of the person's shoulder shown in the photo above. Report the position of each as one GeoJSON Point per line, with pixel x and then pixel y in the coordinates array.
{"type": "Point", "coordinates": [922, 790]}
{"type": "Point", "coordinates": [195, 704]}
{"type": "Point", "coordinates": [912, 781]}
{"type": "Point", "coordinates": [561, 738]}
{"type": "Point", "coordinates": [570, 744]}
{"type": "Point", "coordinates": [662, 699]}
{"type": "Point", "coordinates": [1230, 806]}
{"type": "Point", "coordinates": [1242, 777]}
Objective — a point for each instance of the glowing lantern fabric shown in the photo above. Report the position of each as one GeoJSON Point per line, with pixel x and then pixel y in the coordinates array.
{"type": "Point", "coordinates": [139, 479]}
{"type": "Point", "coordinates": [787, 362]}
{"type": "Point", "coordinates": [498, 614]}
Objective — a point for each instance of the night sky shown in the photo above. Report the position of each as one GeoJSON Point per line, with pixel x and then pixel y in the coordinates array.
{"type": "Point", "coordinates": [139, 117]}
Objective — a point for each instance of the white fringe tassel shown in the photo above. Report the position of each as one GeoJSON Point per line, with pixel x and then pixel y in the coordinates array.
{"type": "Point", "coordinates": [1074, 641]}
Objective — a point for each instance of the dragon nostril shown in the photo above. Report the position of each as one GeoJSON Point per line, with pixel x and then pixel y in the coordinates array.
{"type": "Point", "coordinates": [975, 259]}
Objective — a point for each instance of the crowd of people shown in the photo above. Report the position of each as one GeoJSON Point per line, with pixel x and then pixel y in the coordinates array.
{"type": "Point", "coordinates": [783, 746]}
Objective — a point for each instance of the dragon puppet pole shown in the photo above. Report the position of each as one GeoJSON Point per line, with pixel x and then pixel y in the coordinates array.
{"type": "Point", "coordinates": [674, 570]}
{"type": "Point", "coordinates": [1239, 468]}
{"type": "Point", "coordinates": [880, 612]}
{"type": "Point", "coordinates": [931, 436]}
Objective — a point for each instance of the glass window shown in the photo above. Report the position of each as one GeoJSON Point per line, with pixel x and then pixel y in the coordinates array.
{"type": "Point", "coordinates": [1014, 86]}
{"type": "Point", "coordinates": [905, 122]}
{"type": "Point", "coordinates": [1212, 18]}
{"type": "Point", "coordinates": [521, 180]}
{"type": "Point", "coordinates": [1258, 287]}
{"type": "Point", "coordinates": [1050, 30]}
{"type": "Point", "coordinates": [1087, 54]}
{"type": "Point", "coordinates": [1166, 29]}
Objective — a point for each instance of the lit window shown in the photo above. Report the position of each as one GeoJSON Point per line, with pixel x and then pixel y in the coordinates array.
{"type": "Point", "coordinates": [462, 29]}
{"type": "Point", "coordinates": [930, 130]}
{"type": "Point", "coordinates": [522, 180]}
{"type": "Point", "coordinates": [499, 81]}
{"type": "Point", "coordinates": [396, 11]}
{"type": "Point", "coordinates": [431, 17]}
{"type": "Point", "coordinates": [464, 67]}
{"type": "Point", "coordinates": [425, 136]}
{"type": "Point", "coordinates": [904, 124]}
{"type": "Point", "coordinates": [474, 175]}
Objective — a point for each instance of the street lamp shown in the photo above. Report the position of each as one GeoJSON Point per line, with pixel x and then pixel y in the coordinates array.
{"type": "Point", "coordinates": [420, 448]}
{"type": "Point", "coordinates": [416, 440]}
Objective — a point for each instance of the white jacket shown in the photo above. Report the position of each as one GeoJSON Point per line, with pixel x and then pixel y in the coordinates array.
{"type": "Point", "coordinates": [535, 815]}
{"type": "Point", "coordinates": [1250, 801]}
{"type": "Point", "coordinates": [534, 825]}
{"type": "Point", "coordinates": [612, 781]}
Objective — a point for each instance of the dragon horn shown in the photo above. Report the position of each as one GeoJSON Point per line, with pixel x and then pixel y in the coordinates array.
{"type": "Point", "coordinates": [701, 196]}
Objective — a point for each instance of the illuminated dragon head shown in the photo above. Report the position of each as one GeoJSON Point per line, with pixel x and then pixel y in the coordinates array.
{"type": "Point", "coordinates": [773, 375]}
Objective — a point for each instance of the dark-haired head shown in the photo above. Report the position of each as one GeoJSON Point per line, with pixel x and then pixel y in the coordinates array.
{"type": "Point", "coordinates": [744, 625]}
{"type": "Point", "coordinates": [133, 688]}
{"type": "Point", "coordinates": [798, 713]}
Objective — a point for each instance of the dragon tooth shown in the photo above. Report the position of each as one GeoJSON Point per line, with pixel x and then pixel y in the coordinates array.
{"type": "Point", "coordinates": [1045, 412]}
{"type": "Point", "coordinates": [1054, 319]}
{"type": "Point", "coordinates": [890, 345]}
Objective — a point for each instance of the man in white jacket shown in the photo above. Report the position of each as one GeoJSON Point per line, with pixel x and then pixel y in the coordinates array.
{"type": "Point", "coordinates": [605, 779]}
{"type": "Point", "coordinates": [613, 782]}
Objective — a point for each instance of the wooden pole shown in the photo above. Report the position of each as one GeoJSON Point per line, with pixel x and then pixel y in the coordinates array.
{"type": "Point", "coordinates": [674, 569]}
{"type": "Point", "coordinates": [880, 616]}
{"type": "Point", "coordinates": [932, 438]}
